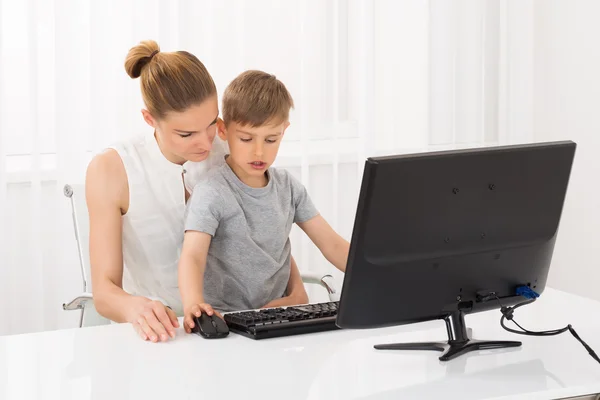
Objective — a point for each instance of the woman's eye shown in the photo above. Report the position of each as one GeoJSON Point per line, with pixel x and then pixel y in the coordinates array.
{"type": "Point", "coordinates": [245, 140]}
{"type": "Point", "coordinates": [271, 140]}
{"type": "Point", "coordinates": [184, 136]}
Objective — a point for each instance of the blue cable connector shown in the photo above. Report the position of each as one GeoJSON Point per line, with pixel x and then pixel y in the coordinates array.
{"type": "Point", "coordinates": [527, 292]}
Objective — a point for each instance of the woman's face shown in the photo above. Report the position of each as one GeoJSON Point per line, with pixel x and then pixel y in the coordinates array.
{"type": "Point", "coordinates": [187, 135]}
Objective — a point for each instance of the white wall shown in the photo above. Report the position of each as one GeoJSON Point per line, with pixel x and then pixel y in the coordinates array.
{"type": "Point", "coordinates": [567, 106]}
{"type": "Point", "coordinates": [55, 113]}
{"type": "Point", "coordinates": [368, 78]}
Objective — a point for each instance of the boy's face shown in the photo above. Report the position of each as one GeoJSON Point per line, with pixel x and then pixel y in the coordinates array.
{"type": "Point", "coordinates": [253, 149]}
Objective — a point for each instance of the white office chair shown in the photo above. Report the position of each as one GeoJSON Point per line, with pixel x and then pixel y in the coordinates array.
{"type": "Point", "coordinates": [84, 302]}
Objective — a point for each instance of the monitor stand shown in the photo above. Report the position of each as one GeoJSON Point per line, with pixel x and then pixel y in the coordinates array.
{"type": "Point", "coordinates": [458, 341]}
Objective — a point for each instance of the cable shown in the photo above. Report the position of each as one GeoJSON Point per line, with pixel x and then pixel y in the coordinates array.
{"type": "Point", "coordinates": [507, 314]}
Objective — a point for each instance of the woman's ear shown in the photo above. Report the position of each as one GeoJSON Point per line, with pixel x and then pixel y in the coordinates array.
{"type": "Point", "coordinates": [149, 118]}
{"type": "Point", "coordinates": [221, 129]}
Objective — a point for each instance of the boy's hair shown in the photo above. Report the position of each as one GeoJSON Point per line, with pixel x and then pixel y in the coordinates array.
{"type": "Point", "coordinates": [256, 98]}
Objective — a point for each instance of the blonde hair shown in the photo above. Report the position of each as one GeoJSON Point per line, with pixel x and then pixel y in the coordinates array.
{"type": "Point", "coordinates": [169, 81]}
{"type": "Point", "coordinates": [256, 98]}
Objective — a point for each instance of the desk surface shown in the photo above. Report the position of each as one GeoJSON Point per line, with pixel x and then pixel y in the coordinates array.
{"type": "Point", "coordinates": [111, 362]}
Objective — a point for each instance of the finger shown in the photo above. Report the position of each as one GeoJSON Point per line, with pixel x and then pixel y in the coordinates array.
{"type": "Point", "coordinates": [173, 317]}
{"type": "Point", "coordinates": [207, 309]}
{"type": "Point", "coordinates": [188, 322]}
{"type": "Point", "coordinates": [164, 319]}
{"type": "Point", "coordinates": [148, 331]}
{"type": "Point", "coordinates": [156, 325]}
{"type": "Point", "coordinates": [188, 325]}
{"type": "Point", "coordinates": [196, 310]}
{"type": "Point", "coordinates": [218, 314]}
{"type": "Point", "coordinates": [139, 331]}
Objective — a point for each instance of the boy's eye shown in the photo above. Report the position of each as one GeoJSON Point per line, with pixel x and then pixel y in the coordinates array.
{"type": "Point", "coordinates": [245, 140]}
{"type": "Point", "coordinates": [271, 140]}
{"type": "Point", "coordinates": [187, 135]}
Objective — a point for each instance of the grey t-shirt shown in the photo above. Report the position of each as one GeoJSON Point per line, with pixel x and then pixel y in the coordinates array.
{"type": "Point", "coordinates": [248, 262]}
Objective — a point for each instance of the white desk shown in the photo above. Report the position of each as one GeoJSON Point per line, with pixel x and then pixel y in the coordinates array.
{"type": "Point", "coordinates": [111, 362]}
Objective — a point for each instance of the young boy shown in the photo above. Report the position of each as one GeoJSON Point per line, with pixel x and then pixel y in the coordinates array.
{"type": "Point", "coordinates": [236, 250]}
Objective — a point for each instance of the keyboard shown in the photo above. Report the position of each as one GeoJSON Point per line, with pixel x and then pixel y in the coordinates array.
{"type": "Point", "coordinates": [283, 321]}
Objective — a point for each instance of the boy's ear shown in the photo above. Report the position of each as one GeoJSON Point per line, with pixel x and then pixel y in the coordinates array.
{"type": "Point", "coordinates": [221, 130]}
{"type": "Point", "coordinates": [285, 126]}
{"type": "Point", "coordinates": [149, 118]}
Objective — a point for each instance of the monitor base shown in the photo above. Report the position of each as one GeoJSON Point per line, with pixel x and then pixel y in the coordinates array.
{"type": "Point", "coordinates": [458, 342]}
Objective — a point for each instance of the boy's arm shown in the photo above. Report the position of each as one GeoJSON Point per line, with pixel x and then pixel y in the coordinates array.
{"type": "Point", "coordinates": [333, 246]}
{"type": "Point", "coordinates": [191, 276]}
{"type": "Point", "coordinates": [295, 290]}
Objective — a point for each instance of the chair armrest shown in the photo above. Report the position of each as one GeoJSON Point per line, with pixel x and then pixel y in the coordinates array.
{"type": "Point", "coordinates": [325, 281]}
{"type": "Point", "coordinates": [312, 277]}
{"type": "Point", "coordinates": [79, 302]}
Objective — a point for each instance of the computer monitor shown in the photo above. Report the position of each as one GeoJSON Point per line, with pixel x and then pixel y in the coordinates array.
{"type": "Point", "coordinates": [443, 234]}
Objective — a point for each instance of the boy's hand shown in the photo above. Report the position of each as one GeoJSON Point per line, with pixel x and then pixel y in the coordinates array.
{"type": "Point", "coordinates": [196, 310]}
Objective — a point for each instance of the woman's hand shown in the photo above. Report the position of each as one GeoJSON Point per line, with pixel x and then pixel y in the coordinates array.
{"type": "Point", "coordinates": [152, 320]}
{"type": "Point", "coordinates": [195, 310]}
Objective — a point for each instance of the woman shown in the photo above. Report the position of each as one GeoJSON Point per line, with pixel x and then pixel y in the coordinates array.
{"type": "Point", "coordinates": [136, 192]}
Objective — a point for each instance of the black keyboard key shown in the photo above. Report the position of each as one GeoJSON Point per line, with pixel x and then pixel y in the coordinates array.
{"type": "Point", "coordinates": [283, 321]}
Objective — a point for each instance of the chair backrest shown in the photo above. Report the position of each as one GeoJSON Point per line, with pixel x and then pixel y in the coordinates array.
{"type": "Point", "coordinates": [81, 227]}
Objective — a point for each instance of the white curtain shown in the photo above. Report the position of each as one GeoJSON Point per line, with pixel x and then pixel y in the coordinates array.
{"type": "Point", "coordinates": [368, 78]}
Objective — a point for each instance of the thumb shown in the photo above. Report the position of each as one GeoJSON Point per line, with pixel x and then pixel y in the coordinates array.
{"type": "Point", "coordinates": [173, 317]}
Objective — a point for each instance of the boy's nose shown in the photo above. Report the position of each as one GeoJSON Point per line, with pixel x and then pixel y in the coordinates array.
{"type": "Point", "coordinates": [258, 149]}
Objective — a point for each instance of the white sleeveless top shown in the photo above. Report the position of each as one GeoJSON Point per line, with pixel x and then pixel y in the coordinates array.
{"type": "Point", "coordinates": [153, 224]}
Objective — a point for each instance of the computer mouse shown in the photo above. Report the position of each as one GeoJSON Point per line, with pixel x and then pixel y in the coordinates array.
{"type": "Point", "coordinates": [210, 326]}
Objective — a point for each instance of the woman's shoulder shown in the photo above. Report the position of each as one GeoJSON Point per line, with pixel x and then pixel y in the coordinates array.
{"type": "Point", "coordinates": [108, 168]}
{"type": "Point", "coordinates": [115, 154]}
{"type": "Point", "coordinates": [106, 178]}
{"type": "Point", "coordinates": [113, 159]}
{"type": "Point", "coordinates": [107, 162]}
{"type": "Point", "coordinates": [110, 160]}
{"type": "Point", "coordinates": [128, 145]}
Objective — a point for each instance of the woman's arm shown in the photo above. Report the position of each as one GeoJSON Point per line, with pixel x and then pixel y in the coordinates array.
{"type": "Point", "coordinates": [107, 197]}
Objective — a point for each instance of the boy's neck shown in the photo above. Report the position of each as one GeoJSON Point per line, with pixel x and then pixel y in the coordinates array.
{"type": "Point", "coordinates": [252, 181]}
